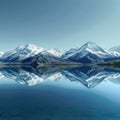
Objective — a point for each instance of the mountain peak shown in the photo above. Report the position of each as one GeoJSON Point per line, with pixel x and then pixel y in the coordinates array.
{"type": "Point", "coordinates": [22, 52]}
{"type": "Point", "coordinates": [31, 46]}
{"type": "Point", "coordinates": [89, 51]}
{"type": "Point", "coordinates": [90, 44]}
{"type": "Point", "coordinates": [116, 48]}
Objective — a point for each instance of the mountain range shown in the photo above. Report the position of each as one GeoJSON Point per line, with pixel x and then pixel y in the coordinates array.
{"type": "Point", "coordinates": [88, 53]}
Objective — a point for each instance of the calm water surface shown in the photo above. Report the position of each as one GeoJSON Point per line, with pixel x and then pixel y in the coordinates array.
{"type": "Point", "coordinates": [94, 97]}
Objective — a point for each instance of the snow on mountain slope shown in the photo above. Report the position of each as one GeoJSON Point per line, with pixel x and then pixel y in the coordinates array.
{"type": "Point", "coordinates": [89, 47]}
{"type": "Point", "coordinates": [90, 52]}
{"type": "Point", "coordinates": [1, 54]}
{"type": "Point", "coordinates": [113, 53]}
{"type": "Point", "coordinates": [55, 52]}
{"type": "Point", "coordinates": [23, 52]}
{"type": "Point", "coordinates": [115, 49]}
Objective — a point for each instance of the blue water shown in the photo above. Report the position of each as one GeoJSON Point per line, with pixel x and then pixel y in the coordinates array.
{"type": "Point", "coordinates": [60, 100]}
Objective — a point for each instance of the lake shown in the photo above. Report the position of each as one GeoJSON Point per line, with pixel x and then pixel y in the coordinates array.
{"type": "Point", "coordinates": [60, 93]}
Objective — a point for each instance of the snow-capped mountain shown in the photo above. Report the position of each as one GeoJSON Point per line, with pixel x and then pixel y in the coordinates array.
{"type": "Point", "coordinates": [27, 51]}
{"type": "Point", "coordinates": [1, 54]}
{"type": "Point", "coordinates": [55, 52]}
{"type": "Point", "coordinates": [116, 49]}
{"type": "Point", "coordinates": [43, 57]}
{"type": "Point", "coordinates": [90, 53]}
{"type": "Point", "coordinates": [20, 53]}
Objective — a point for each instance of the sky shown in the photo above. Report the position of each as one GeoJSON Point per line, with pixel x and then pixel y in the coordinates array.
{"type": "Point", "coordinates": [62, 24]}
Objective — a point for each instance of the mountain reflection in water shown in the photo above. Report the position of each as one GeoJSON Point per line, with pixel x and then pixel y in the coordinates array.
{"type": "Point", "coordinates": [89, 76]}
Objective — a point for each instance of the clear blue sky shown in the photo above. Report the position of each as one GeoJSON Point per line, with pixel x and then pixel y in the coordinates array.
{"type": "Point", "coordinates": [59, 23]}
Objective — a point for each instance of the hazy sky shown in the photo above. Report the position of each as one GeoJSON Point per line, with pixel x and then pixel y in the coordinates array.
{"type": "Point", "coordinates": [59, 23]}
